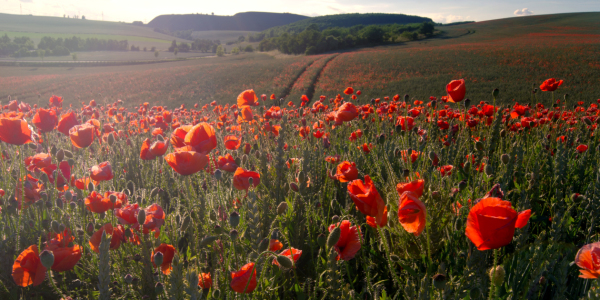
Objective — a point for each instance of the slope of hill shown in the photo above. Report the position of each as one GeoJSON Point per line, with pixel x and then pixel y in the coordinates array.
{"type": "Point", "coordinates": [347, 20]}
{"type": "Point", "coordinates": [42, 24]}
{"type": "Point", "coordinates": [247, 21]}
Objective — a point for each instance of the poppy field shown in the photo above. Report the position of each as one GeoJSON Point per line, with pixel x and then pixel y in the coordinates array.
{"type": "Point", "coordinates": [343, 198]}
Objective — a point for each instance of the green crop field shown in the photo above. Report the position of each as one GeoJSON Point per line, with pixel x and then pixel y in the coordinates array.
{"type": "Point", "coordinates": [222, 35]}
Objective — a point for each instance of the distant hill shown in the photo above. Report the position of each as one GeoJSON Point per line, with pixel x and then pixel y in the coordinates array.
{"type": "Point", "coordinates": [347, 20]}
{"type": "Point", "coordinates": [247, 21]}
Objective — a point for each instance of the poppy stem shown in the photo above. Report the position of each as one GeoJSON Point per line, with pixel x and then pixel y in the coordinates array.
{"type": "Point", "coordinates": [493, 290]}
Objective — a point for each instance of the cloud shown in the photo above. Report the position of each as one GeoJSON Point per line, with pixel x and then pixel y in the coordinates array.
{"type": "Point", "coordinates": [523, 12]}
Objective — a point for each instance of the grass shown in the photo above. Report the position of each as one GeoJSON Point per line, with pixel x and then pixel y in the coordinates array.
{"type": "Point", "coordinates": [222, 35]}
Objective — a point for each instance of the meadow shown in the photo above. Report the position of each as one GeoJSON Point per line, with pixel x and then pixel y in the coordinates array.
{"type": "Point", "coordinates": [462, 167]}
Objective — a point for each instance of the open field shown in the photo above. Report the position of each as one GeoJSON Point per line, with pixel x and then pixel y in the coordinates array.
{"type": "Point", "coordinates": [113, 56]}
{"type": "Point", "coordinates": [449, 168]}
{"type": "Point", "coordinates": [222, 35]}
{"type": "Point", "coordinates": [512, 55]}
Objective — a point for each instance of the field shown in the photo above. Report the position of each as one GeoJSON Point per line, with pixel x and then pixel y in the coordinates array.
{"type": "Point", "coordinates": [451, 168]}
{"type": "Point", "coordinates": [222, 35]}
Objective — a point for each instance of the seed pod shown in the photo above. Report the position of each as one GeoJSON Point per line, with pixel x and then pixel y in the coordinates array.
{"type": "Point", "coordinates": [186, 223]}
{"type": "Point", "coordinates": [495, 93]}
{"type": "Point", "coordinates": [54, 225]}
{"type": "Point", "coordinates": [113, 198]}
{"type": "Point", "coordinates": [505, 158]}
{"type": "Point", "coordinates": [284, 261]}
{"type": "Point", "coordinates": [335, 219]}
{"type": "Point", "coordinates": [321, 239]}
{"type": "Point", "coordinates": [218, 174]}
{"type": "Point", "coordinates": [141, 217]}
{"type": "Point", "coordinates": [439, 281]}
{"type": "Point", "coordinates": [334, 237]}
{"type": "Point", "coordinates": [68, 153]}
{"type": "Point", "coordinates": [489, 171]}
{"type": "Point", "coordinates": [111, 139]}
{"type": "Point", "coordinates": [128, 278]}
{"type": "Point", "coordinates": [233, 234]}
{"type": "Point", "coordinates": [234, 219]}
{"type": "Point", "coordinates": [60, 155]}
{"type": "Point", "coordinates": [282, 208]}
{"type": "Point", "coordinates": [159, 288]}
{"type": "Point", "coordinates": [158, 258]}
{"type": "Point", "coordinates": [90, 187]}
{"type": "Point", "coordinates": [47, 259]}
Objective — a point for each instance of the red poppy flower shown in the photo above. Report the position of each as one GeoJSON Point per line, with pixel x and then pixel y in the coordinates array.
{"type": "Point", "coordinates": [82, 136]}
{"type": "Point", "coordinates": [588, 259]}
{"type": "Point", "coordinates": [241, 179]}
{"type": "Point", "coordinates": [366, 197]}
{"type": "Point", "coordinates": [202, 138]}
{"type": "Point", "coordinates": [349, 242]}
{"type": "Point", "coordinates": [227, 163]}
{"type": "Point", "coordinates": [582, 148]}
{"type": "Point", "coordinates": [244, 280]}
{"type": "Point", "coordinates": [347, 112]}
{"type": "Point", "coordinates": [204, 281]}
{"type": "Point", "coordinates": [56, 101]}
{"type": "Point", "coordinates": [491, 223]}
{"type": "Point", "coordinates": [415, 186]}
{"type": "Point", "coordinates": [412, 214]}
{"type": "Point", "coordinates": [246, 115]}
{"type": "Point", "coordinates": [101, 172]}
{"type": "Point", "coordinates": [155, 218]}
{"type": "Point", "coordinates": [145, 153]}
{"type": "Point", "coordinates": [247, 98]}
{"type": "Point", "coordinates": [178, 136]}
{"type": "Point", "coordinates": [128, 214]}
{"type": "Point", "coordinates": [550, 85]}
{"type": "Point", "coordinates": [121, 198]}
{"type": "Point", "coordinates": [45, 120]}
{"type": "Point", "coordinates": [187, 162]}
{"type": "Point", "coordinates": [292, 253]}
{"type": "Point", "coordinates": [406, 123]}
{"type": "Point", "coordinates": [15, 131]}
{"type": "Point", "coordinates": [346, 171]}
{"type": "Point", "coordinates": [232, 142]}
{"type": "Point", "coordinates": [446, 170]}
{"type": "Point", "coordinates": [96, 203]}
{"type": "Point", "coordinates": [378, 222]}
{"type": "Point", "coordinates": [66, 122]}
{"type": "Point", "coordinates": [168, 252]}
{"type": "Point", "coordinates": [38, 161]}
{"type": "Point", "coordinates": [65, 258]}
{"type": "Point", "coordinates": [115, 240]}
{"type": "Point", "coordinates": [456, 90]}
{"type": "Point", "coordinates": [275, 245]}
{"type": "Point", "coordinates": [349, 91]}
{"type": "Point", "coordinates": [28, 269]}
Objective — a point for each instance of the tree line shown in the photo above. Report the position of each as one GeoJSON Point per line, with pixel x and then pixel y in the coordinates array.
{"type": "Point", "coordinates": [202, 45]}
{"type": "Point", "coordinates": [313, 40]}
{"type": "Point", "coordinates": [24, 46]}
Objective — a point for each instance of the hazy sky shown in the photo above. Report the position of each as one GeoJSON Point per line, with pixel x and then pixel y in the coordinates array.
{"type": "Point", "coordinates": [438, 10]}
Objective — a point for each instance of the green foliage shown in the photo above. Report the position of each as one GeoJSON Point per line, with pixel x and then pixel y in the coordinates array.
{"type": "Point", "coordinates": [235, 50]}
{"type": "Point", "coordinates": [220, 51]}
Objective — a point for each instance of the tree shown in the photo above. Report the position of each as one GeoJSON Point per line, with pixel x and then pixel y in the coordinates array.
{"type": "Point", "coordinates": [220, 51]}
{"type": "Point", "coordinates": [249, 48]}
{"type": "Point", "coordinates": [235, 50]}
{"type": "Point", "coordinates": [426, 28]}
{"type": "Point", "coordinates": [41, 53]}
{"type": "Point", "coordinates": [175, 51]}
{"type": "Point", "coordinates": [156, 53]}
{"type": "Point", "coordinates": [74, 55]}
{"type": "Point", "coordinates": [83, 17]}
{"type": "Point", "coordinates": [374, 34]}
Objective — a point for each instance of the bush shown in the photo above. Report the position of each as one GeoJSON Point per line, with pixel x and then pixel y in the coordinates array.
{"type": "Point", "coordinates": [249, 48]}
{"type": "Point", "coordinates": [220, 51]}
{"type": "Point", "coordinates": [235, 50]}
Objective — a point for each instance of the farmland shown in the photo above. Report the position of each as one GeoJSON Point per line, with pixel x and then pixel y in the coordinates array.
{"type": "Point", "coordinates": [463, 166]}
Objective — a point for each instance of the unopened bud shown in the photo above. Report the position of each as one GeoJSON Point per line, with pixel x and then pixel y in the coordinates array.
{"type": "Point", "coordinates": [284, 261]}
{"type": "Point", "coordinates": [497, 275]}
{"type": "Point", "coordinates": [462, 185]}
{"type": "Point", "coordinates": [218, 174]}
{"type": "Point", "coordinates": [321, 239]}
{"type": "Point", "coordinates": [489, 171]}
{"type": "Point", "coordinates": [282, 208]}
{"type": "Point", "coordinates": [334, 237]}
{"type": "Point", "coordinates": [439, 281]}
{"type": "Point", "coordinates": [112, 198]}
{"type": "Point", "coordinates": [233, 234]}
{"type": "Point", "coordinates": [505, 158]}
{"type": "Point", "coordinates": [158, 258]}
{"type": "Point", "coordinates": [234, 219]}
{"type": "Point", "coordinates": [159, 288]}
{"type": "Point", "coordinates": [141, 217]}
{"type": "Point", "coordinates": [47, 259]}
{"type": "Point", "coordinates": [128, 278]}
{"type": "Point", "coordinates": [111, 139]}
{"type": "Point", "coordinates": [90, 187]}
{"type": "Point", "coordinates": [68, 154]}
{"type": "Point", "coordinates": [60, 155]}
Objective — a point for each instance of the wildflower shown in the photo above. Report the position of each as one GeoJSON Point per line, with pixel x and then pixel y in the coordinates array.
{"type": "Point", "coordinates": [82, 136]}
{"type": "Point", "coordinates": [587, 259]}
{"type": "Point", "coordinates": [550, 85]}
{"type": "Point", "coordinates": [346, 171]}
{"type": "Point", "coordinates": [45, 120]}
{"type": "Point", "coordinates": [28, 269]}
{"type": "Point", "coordinates": [187, 162]}
{"type": "Point", "coordinates": [115, 241]}
{"type": "Point", "coordinates": [347, 112]}
{"type": "Point", "coordinates": [241, 179]}
{"type": "Point", "coordinates": [202, 138]}
{"type": "Point", "coordinates": [168, 252]}
{"type": "Point", "coordinates": [247, 98]}
{"type": "Point", "coordinates": [366, 197]}
{"type": "Point", "coordinates": [275, 245]}
{"type": "Point", "coordinates": [456, 90]}
{"type": "Point", "coordinates": [292, 253]}
{"type": "Point", "coordinates": [416, 187]}
{"type": "Point", "coordinates": [412, 214]}
{"type": "Point", "coordinates": [349, 242]}
{"type": "Point", "coordinates": [232, 142]}
{"type": "Point", "coordinates": [101, 172]}
{"type": "Point", "coordinates": [66, 122]}
{"type": "Point", "coordinates": [204, 281]}
{"type": "Point", "coordinates": [15, 131]}
{"type": "Point", "coordinates": [244, 280]}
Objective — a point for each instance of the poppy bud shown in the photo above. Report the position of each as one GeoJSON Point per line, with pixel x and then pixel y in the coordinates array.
{"type": "Point", "coordinates": [43, 177]}
{"type": "Point", "coordinates": [263, 245]}
{"type": "Point", "coordinates": [159, 288]}
{"type": "Point", "coordinates": [216, 294]}
{"type": "Point", "coordinates": [489, 171]}
{"type": "Point", "coordinates": [112, 198]}
{"type": "Point", "coordinates": [321, 239]}
{"type": "Point", "coordinates": [333, 237]}
{"type": "Point", "coordinates": [542, 280]}
{"type": "Point", "coordinates": [497, 275]}
{"type": "Point", "coordinates": [141, 217]}
{"type": "Point", "coordinates": [61, 228]}
{"type": "Point", "coordinates": [284, 261]}
{"type": "Point", "coordinates": [128, 233]}
{"type": "Point", "coordinates": [68, 196]}
{"type": "Point", "coordinates": [406, 98]}
{"type": "Point", "coordinates": [479, 146]}
{"type": "Point", "coordinates": [158, 258]}
{"type": "Point", "coordinates": [233, 234]}
{"type": "Point", "coordinates": [467, 167]}
{"type": "Point", "coordinates": [462, 185]}
{"type": "Point", "coordinates": [54, 226]}
{"type": "Point", "coordinates": [432, 156]}
{"type": "Point", "coordinates": [128, 278]}
{"type": "Point", "coordinates": [90, 228]}
{"type": "Point", "coordinates": [502, 133]}
{"type": "Point", "coordinates": [294, 186]}
{"type": "Point", "coordinates": [566, 97]}
{"type": "Point", "coordinates": [90, 187]}
{"type": "Point", "coordinates": [390, 216]}
{"type": "Point", "coordinates": [186, 223]}
{"type": "Point", "coordinates": [467, 103]}
{"type": "Point", "coordinates": [53, 150]}
{"type": "Point", "coordinates": [335, 219]}
{"type": "Point", "coordinates": [439, 281]}
{"type": "Point", "coordinates": [505, 158]}
{"type": "Point", "coordinates": [60, 155]}
{"type": "Point", "coordinates": [495, 93]}
{"type": "Point", "coordinates": [47, 259]}
{"type": "Point", "coordinates": [327, 144]}
{"type": "Point", "coordinates": [251, 181]}
{"type": "Point", "coordinates": [137, 258]}
{"type": "Point", "coordinates": [381, 138]}
{"type": "Point", "coordinates": [587, 121]}
{"type": "Point", "coordinates": [234, 219]}
{"type": "Point", "coordinates": [68, 153]}
{"type": "Point", "coordinates": [282, 208]}
{"type": "Point", "coordinates": [207, 240]}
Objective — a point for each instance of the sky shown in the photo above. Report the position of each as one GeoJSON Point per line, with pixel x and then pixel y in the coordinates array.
{"type": "Point", "coordinates": [438, 10]}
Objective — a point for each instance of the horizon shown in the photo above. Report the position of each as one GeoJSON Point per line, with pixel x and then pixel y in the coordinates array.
{"type": "Point", "coordinates": [462, 10]}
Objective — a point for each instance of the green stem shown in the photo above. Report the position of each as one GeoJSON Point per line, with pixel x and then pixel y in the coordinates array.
{"type": "Point", "coordinates": [493, 290]}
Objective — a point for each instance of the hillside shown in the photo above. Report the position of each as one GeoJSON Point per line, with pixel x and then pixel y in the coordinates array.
{"type": "Point", "coordinates": [42, 24]}
{"type": "Point", "coordinates": [345, 21]}
{"type": "Point", "coordinates": [247, 21]}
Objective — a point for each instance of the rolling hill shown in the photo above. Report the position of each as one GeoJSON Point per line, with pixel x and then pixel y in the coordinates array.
{"type": "Point", "coordinates": [247, 21]}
